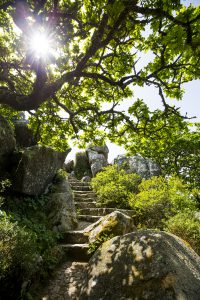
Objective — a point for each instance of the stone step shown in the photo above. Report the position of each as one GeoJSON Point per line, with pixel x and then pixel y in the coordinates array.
{"type": "Point", "coordinates": [85, 204]}
{"type": "Point", "coordinates": [81, 199]}
{"type": "Point", "coordinates": [79, 183]}
{"type": "Point", "coordinates": [74, 237]}
{"type": "Point", "coordinates": [88, 218]}
{"type": "Point", "coordinates": [82, 225]}
{"type": "Point", "coordinates": [84, 195]}
{"type": "Point", "coordinates": [77, 252]}
{"type": "Point", "coordinates": [73, 180]}
{"type": "Point", "coordinates": [81, 188]}
{"type": "Point", "coordinates": [104, 211]}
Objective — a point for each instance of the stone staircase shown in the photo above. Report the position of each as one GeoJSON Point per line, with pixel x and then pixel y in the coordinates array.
{"type": "Point", "coordinates": [75, 242]}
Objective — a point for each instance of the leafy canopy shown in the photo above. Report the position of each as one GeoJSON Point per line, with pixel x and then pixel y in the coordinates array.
{"type": "Point", "coordinates": [175, 146]}
{"type": "Point", "coordinates": [92, 63]}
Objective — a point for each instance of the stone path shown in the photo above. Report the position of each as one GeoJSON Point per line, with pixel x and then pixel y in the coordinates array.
{"type": "Point", "coordinates": [68, 279]}
{"type": "Point", "coordinates": [66, 283]}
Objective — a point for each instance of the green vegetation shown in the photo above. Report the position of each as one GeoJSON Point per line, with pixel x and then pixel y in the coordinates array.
{"type": "Point", "coordinates": [158, 202]}
{"type": "Point", "coordinates": [187, 227]}
{"type": "Point", "coordinates": [176, 149]}
{"type": "Point", "coordinates": [113, 187]}
{"type": "Point", "coordinates": [153, 200]}
{"type": "Point", "coordinates": [19, 256]}
{"type": "Point", "coordinates": [159, 198]}
{"type": "Point", "coordinates": [99, 240]}
{"type": "Point", "coordinates": [28, 247]}
{"type": "Point", "coordinates": [82, 166]}
{"type": "Point", "coordinates": [91, 67]}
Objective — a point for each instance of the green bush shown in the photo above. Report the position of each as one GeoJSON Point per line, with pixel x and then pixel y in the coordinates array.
{"type": "Point", "coordinates": [18, 256]}
{"type": "Point", "coordinates": [186, 226]}
{"type": "Point", "coordinates": [113, 187]}
{"type": "Point", "coordinates": [28, 246]}
{"type": "Point", "coordinates": [160, 198]}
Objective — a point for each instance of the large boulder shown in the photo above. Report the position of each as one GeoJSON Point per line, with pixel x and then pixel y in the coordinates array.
{"type": "Point", "coordinates": [97, 161]}
{"type": "Point", "coordinates": [138, 164]}
{"type": "Point", "coordinates": [113, 224]}
{"type": "Point", "coordinates": [86, 179]}
{"type": "Point", "coordinates": [145, 264]}
{"type": "Point", "coordinates": [7, 139]}
{"type": "Point", "coordinates": [61, 208]}
{"type": "Point", "coordinates": [100, 150]}
{"type": "Point", "coordinates": [36, 167]}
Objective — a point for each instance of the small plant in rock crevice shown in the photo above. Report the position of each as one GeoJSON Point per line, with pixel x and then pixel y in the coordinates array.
{"type": "Point", "coordinates": [93, 246]}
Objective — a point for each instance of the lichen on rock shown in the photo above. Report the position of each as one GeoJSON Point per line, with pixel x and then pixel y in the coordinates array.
{"type": "Point", "coordinates": [145, 264]}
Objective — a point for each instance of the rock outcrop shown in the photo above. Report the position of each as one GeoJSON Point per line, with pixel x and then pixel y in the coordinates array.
{"type": "Point", "coordinates": [113, 224]}
{"type": "Point", "coordinates": [61, 208]}
{"type": "Point", "coordinates": [97, 157]}
{"type": "Point", "coordinates": [144, 264]}
{"type": "Point", "coordinates": [137, 164]}
{"type": "Point", "coordinates": [100, 150]}
{"type": "Point", "coordinates": [36, 167]}
{"type": "Point", "coordinates": [86, 179]}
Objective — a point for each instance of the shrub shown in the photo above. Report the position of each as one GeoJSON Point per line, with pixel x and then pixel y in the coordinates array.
{"type": "Point", "coordinates": [186, 226]}
{"type": "Point", "coordinates": [60, 176]}
{"type": "Point", "coordinates": [27, 244]}
{"type": "Point", "coordinates": [18, 255]}
{"type": "Point", "coordinates": [160, 198]}
{"type": "Point", "coordinates": [114, 186]}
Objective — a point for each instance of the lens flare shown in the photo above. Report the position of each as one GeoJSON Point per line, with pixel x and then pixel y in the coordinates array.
{"type": "Point", "coordinates": [40, 45]}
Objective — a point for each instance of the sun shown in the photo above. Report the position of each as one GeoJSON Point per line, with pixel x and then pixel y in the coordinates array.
{"type": "Point", "coordinates": [40, 45]}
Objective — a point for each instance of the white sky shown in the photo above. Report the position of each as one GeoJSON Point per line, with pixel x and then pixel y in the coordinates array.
{"type": "Point", "coordinates": [190, 102]}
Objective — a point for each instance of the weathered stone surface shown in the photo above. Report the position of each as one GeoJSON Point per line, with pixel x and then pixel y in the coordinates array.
{"type": "Point", "coordinates": [100, 150]}
{"type": "Point", "coordinates": [116, 223]}
{"type": "Point", "coordinates": [7, 139]}
{"type": "Point", "coordinates": [137, 164]}
{"type": "Point", "coordinates": [69, 166]}
{"type": "Point", "coordinates": [141, 265]}
{"type": "Point", "coordinates": [86, 179]}
{"type": "Point", "coordinates": [36, 168]}
{"type": "Point", "coordinates": [61, 208]}
{"type": "Point", "coordinates": [197, 215]}
{"type": "Point", "coordinates": [97, 161]}
{"type": "Point", "coordinates": [24, 135]}
{"type": "Point", "coordinates": [66, 282]}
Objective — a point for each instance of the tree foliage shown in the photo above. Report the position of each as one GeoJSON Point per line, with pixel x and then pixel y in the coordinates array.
{"type": "Point", "coordinates": [93, 64]}
{"type": "Point", "coordinates": [175, 146]}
